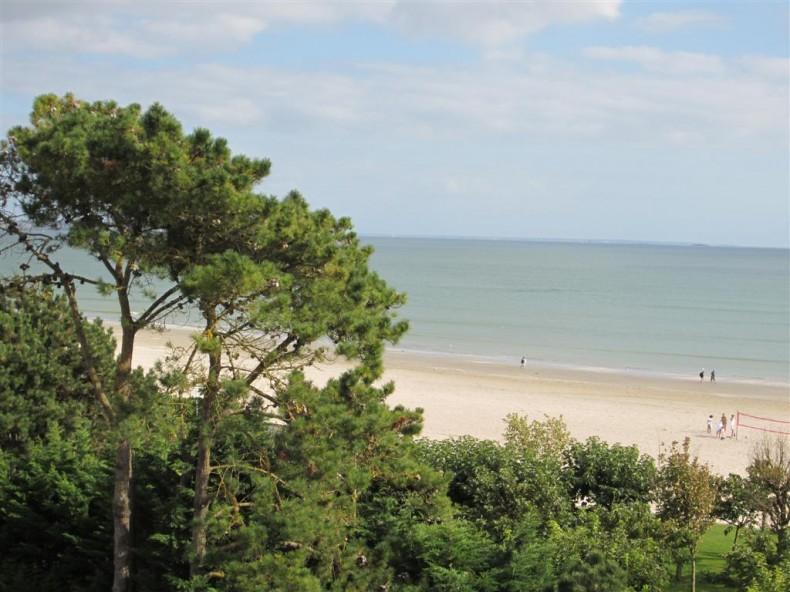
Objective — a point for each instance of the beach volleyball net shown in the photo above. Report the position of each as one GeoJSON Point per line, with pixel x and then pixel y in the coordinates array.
{"type": "Point", "coordinates": [761, 424]}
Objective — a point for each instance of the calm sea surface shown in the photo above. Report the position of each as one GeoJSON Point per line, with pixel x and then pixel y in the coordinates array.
{"type": "Point", "coordinates": [663, 309]}
{"type": "Point", "coordinates": [639, 308]}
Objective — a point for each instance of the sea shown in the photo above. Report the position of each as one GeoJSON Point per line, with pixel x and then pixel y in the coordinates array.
{"type": "Point", "coordinates": [613, 307]}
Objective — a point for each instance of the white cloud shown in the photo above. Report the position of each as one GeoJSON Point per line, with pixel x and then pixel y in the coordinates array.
{"type": "Point", "coordinates": [55, 35]}
{"type": "Point", "coordinates": [667, 22]}
{"type": "Point", "coordinates": [498, 22]}
{"type": "Point", "coordinates": [658, 60]}
{"type": "Point", "coordinates": [233, 111]}
{"type": "Point", "coordinates": [224, 27]}
{"type": "Point", "coordinates": [546, 100]}
{"type": "Point", "coordinates": [148, 29]}
{"type": "Point", "coordinates": [767, 66]}
{"type": "Point", "coordinates": [151, 29]}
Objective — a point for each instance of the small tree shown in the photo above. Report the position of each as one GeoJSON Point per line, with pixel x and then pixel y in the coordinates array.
{"type": "Point", "coordinates": [686, 495]}
{"type": "Point", "coordinates": [549, 439]}
{"type": "Point", "coordinates": [769, 472]}
{"type": "Point", "coordinates": [737, 503]}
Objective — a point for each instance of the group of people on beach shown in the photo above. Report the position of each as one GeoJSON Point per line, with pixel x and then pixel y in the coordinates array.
{"type": "Point", "coordinates": [721, 428]}
{"type": "Point", "coordinates": [712, 375]}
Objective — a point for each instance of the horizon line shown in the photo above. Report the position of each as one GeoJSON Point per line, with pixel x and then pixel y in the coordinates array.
{"type": "Point", "coordinates": [600, 241]}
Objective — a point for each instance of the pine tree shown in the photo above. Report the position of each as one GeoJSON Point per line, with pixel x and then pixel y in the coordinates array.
{"type": "Point", "coordinates": [129, 188]}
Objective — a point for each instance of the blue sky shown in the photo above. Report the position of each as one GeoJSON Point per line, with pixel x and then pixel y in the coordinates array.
{"type": "Point", "coordinates": [657, 121]}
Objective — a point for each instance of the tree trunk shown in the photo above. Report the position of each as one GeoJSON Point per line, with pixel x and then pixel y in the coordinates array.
{"type": "Point", "coordinates": [122, 486]}
{"type": "Point", "coordinates": [735, 540]}
{"type": "Point", "coordinates": [202, 473]}
{"type": "Point", "coordinates": [693, 574]}
{"type": "Point", "coordinates": [122, 518]}
{"type": "Point", "coordinates": [122, 493]}
{"type": "Point", "coordinates": [203, 464]}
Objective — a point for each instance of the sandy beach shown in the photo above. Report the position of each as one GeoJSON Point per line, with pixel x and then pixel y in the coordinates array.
{"type": "Point", "coordinates": [463, 396]}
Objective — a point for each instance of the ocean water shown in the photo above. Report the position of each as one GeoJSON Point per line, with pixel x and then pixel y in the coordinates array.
{"type": "Point", "coordinates": [624, 307]}
{"type": "Point", "coordinates": [641, 308]}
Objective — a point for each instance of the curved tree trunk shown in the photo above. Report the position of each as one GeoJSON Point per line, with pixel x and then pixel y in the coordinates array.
{"type": "Point", "coordinates": [122, 492]}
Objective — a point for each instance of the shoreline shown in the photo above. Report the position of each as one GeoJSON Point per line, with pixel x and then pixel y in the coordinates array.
{"type": "Point", "coordinates": [184, 331]}
{"type": "Point", "coordinates": [466, 397]}
{"type": "Point", "coordinates": [547, 365]}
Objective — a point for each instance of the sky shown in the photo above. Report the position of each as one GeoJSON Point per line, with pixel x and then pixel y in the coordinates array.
{"type": "Point", "coordinates": [595, 120]}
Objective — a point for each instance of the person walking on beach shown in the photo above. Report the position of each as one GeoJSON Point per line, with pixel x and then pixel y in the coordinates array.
{"type": "Point", "coordinates": [523, 361]}
{"type": "Point", "coordinates": [732, 425]}
{"type": "Point", "coordinates": [702, 375]}
{"type": "Point", "coordinates": [713, 375]}
{"type": "Point", "coordinates": [719, 428]}
{"type": "Point", "coordinates": [723, 424]}
{"type": "Point", "coordinates": [710, 423]}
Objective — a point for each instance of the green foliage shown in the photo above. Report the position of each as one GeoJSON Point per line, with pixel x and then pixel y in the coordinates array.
{"type": "Point", "coordinates": [344, 456]}
{"type": "Point", "coordinates": [296, 275]}
{"type": "Point", "coordinates": [633, 539]}
{"type": "Point", "coordinates": [775, 578]}
{"type": "Point", "coordinates": [769, 473]}
{"type": "Point", "coordinates": [608, 474]}
{"type": "Point", "coordinates": [738, 503]}
{"type": "Point", "coordinates": [623, 543]}
{"type": "Point", "coordinates": [758, 564]}
{"type": "Point", "coordinates": [497, 486]}
{"type": "Point", "coordinates": [547, 439]}
{"type": "Point", "coordinates": [454, 556]}
{"type": "Point", "coordinates": [686, 493]}
{"type": "Point", "coordinates": [594, 573]}
{"type": "Point", "coordinates": [55, 470]}
{"type": "Point", "coordinates": [124, 184]}
{"type": "Point", "coordinates": [41, 370]}
{"type": "Point", "coordinates": [56, 455]}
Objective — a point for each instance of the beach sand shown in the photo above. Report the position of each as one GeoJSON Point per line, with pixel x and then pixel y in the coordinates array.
{"type": "Point", "coordinates": [462, 396]}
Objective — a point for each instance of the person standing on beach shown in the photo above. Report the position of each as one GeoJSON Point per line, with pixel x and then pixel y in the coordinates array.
{"type": "Point", "coordinates": [523, 361]}
{"type": "Point", "coordinates": [710, 423]}
{"type": "Point", "coordinates": [723, 424]}
{"type": "Point", "coordinates": [732, 425]}
{"type": "Point", "coordinates": [702, 375]}
{"type": "Point", "coordinates": [713, 375]}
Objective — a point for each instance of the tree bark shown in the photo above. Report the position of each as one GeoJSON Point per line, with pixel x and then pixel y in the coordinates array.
{"type": "Point", "coordinates": [122, 519]}
{"type": "Point", "coordinates": [122, 486]}
{"type": "Point", "coordinates": [203, 463]}
{"type": "Point", "coordinates": [694, 574]}
{"type": "Point", "coordinates": [202, 473]}
{"type": "Point", "coordinates": [122, 492]}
